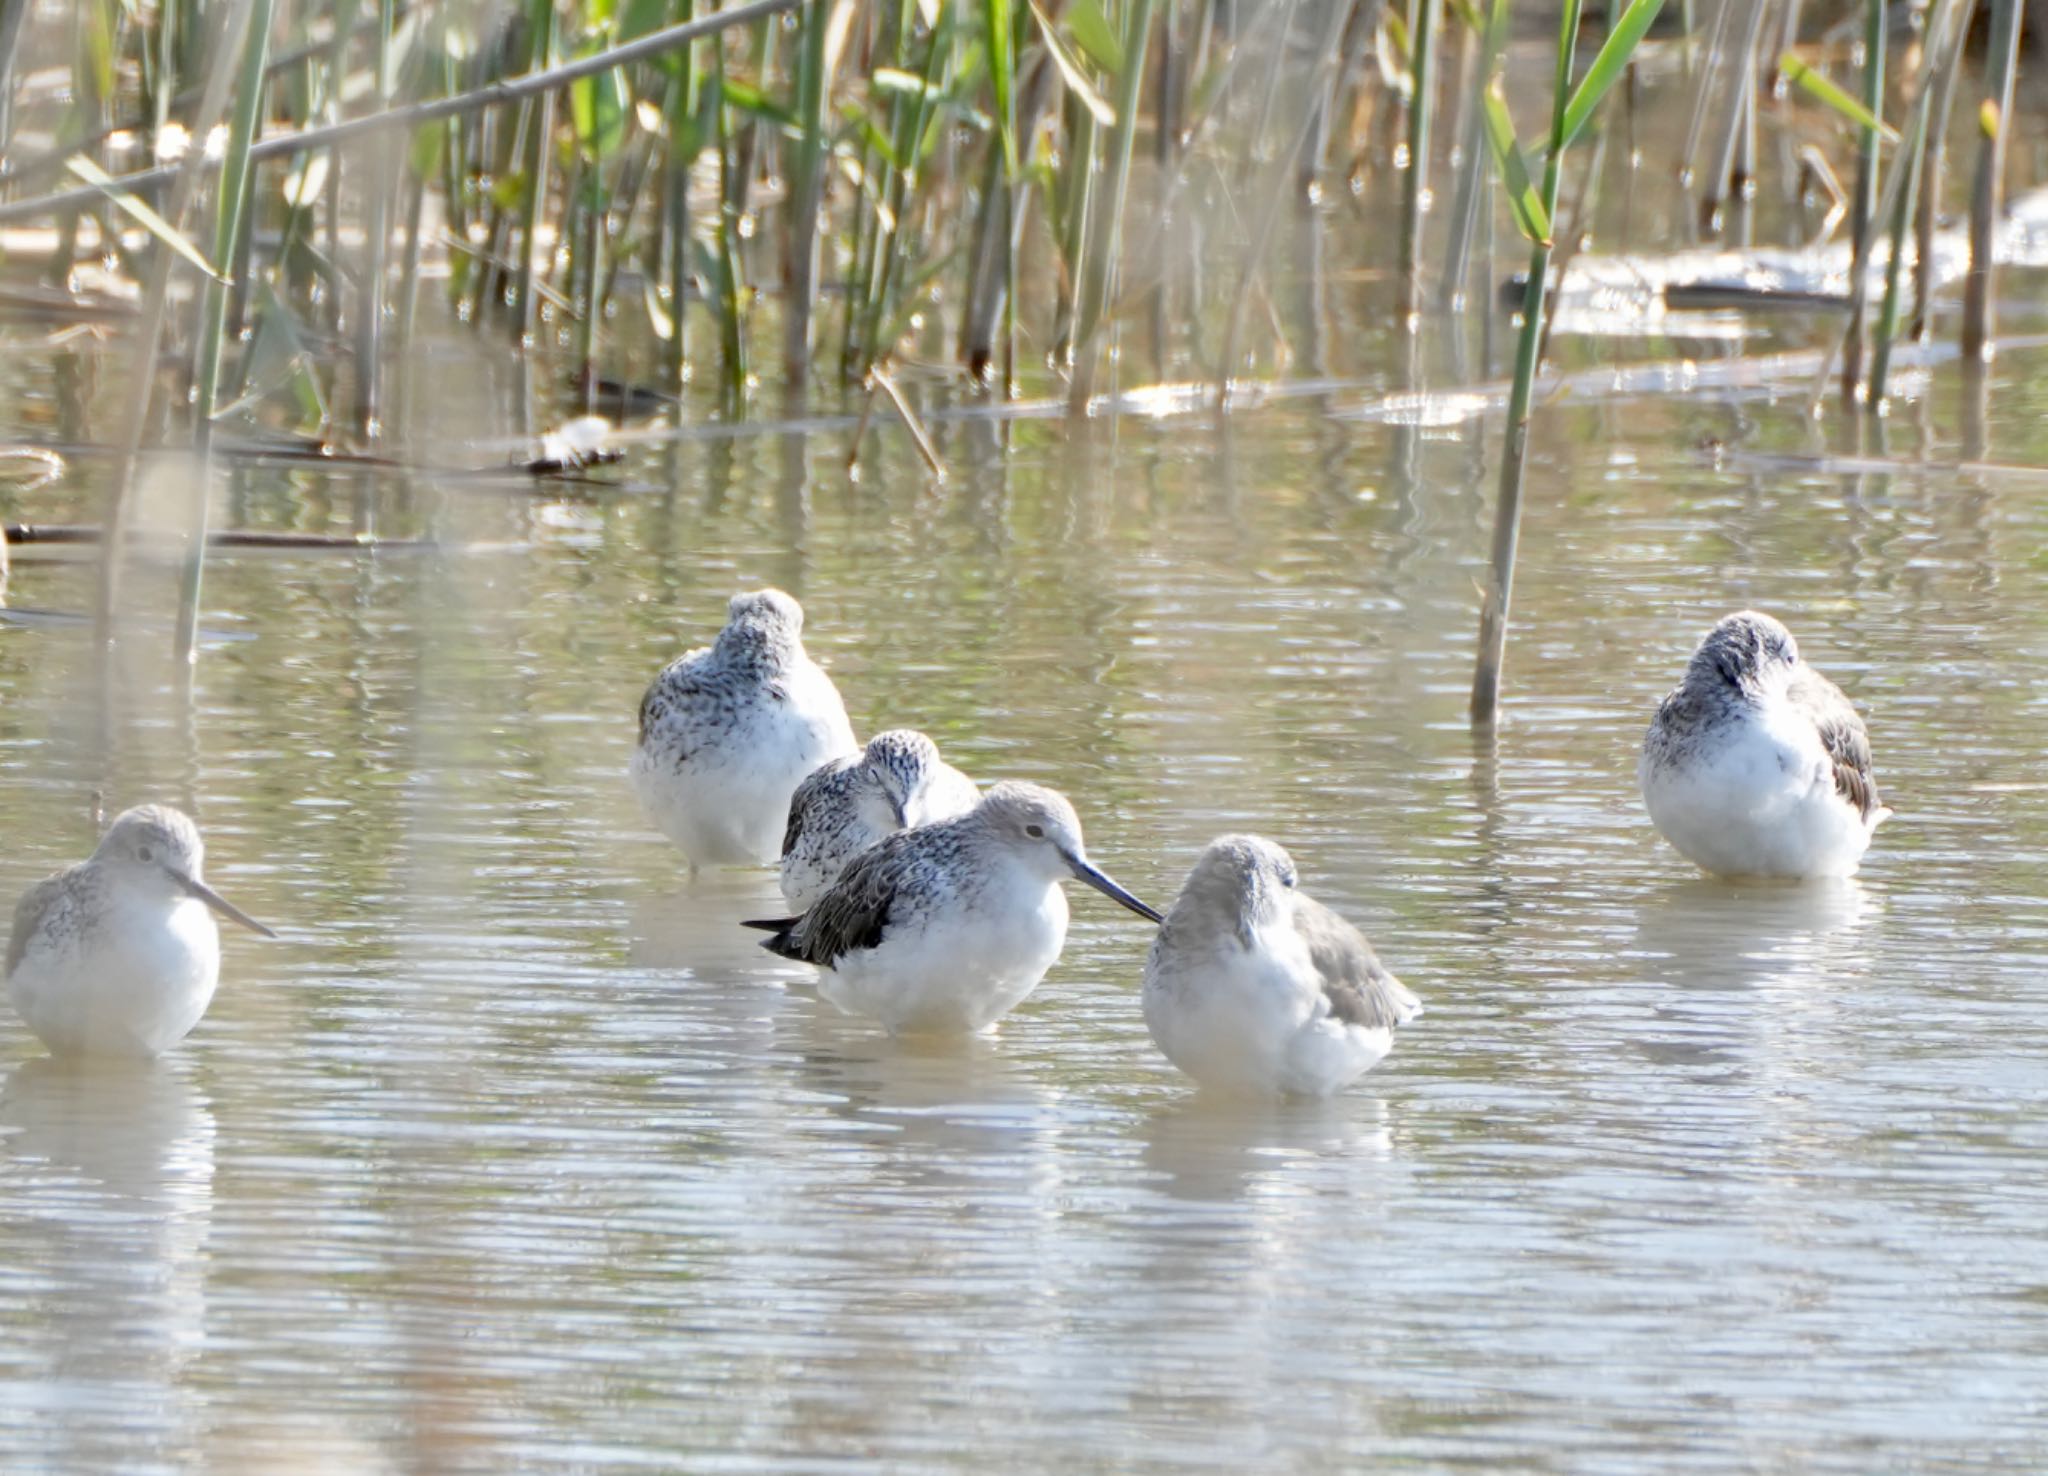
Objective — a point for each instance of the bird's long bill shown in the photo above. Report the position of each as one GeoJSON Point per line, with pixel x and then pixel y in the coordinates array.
{"type": "Point", "coordinates": [221, 904]}
{"type": "Point", "coordinates": [1111, 890]}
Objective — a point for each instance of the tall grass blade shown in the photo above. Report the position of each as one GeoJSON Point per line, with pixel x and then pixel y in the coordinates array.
{"type": "Point", "coordinates": [139, 210]}
{"type": "Point", "coordinates": [1532, 216]}
{"type": "Point", "coordinates": [1071, 72]}
{"type": "Point", "coordinates": [1819, 88]}
{"type": "Point", "coordinates": [1608, 65]}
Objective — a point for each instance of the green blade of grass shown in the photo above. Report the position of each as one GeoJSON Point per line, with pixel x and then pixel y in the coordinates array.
{"type": "Point", "coordinates": [147, 218]}
{"type": "Point", "coordinates": [748, 98]}
{"type": "Point", "coordinates": [1613, 59]}
{"type": "Point", "coordinates": [1095, 35]}
{"type": "Point", "coordinates": [1070, 71]}
{"type": "Point", "coordinates": [1530, 217]}
{"type": "Point", "coordinates": [1793, 70]}
{"type": "Point", "coordinates": [996, 17]}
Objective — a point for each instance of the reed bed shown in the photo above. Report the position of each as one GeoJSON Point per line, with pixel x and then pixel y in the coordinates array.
{"type": "Point", "coordinates": [852, 197]}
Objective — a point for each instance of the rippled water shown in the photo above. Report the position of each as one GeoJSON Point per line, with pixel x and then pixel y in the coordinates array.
{"type": "Point", "coordinates": [518, 1153]}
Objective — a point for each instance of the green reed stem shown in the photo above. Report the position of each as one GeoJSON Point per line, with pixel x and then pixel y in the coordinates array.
{"type": "Point", "coordinates": [806, 193]}
{"type": "Point", "coordinates": [1988, 189]}
{"type": "Point", "coordinates": [1105, 244]}
{"type": "Point", "coordinates": [1863, 202]}
{"type": "Point", "coordinates": [230, 228]}
{"type": "Point", "coordinates": [231, 26]}
{"type": "Point", "coordinates": [377, 228]}
{"type": "Point", "coordinates": [12, 15]}
{"type": "Point", "coordinates": [1933, 170]}
{"type": "Point", "coordinates": [913, 122]}
{"type": "Point", "coordinates": [730, 289]}
{"type": "Point", "coordinates": [403, 119]}
{"type": "Point", "coordinates": [535, 166]}
{"type": "Point", "coordinates": [1507, 525]}
{"type": "Point", "coordinates": [1425, 18]}
{"type": "Point", "coordinates": [1078, 197]}
{"type": "Point", "coordinates": [1909, 158]}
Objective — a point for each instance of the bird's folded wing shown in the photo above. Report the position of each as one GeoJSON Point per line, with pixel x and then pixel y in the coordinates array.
{"type": "Point", "coordinates": [1360, 989]}
{"type": "Point", "coordinates": [37, 902]}
{"type": "Point", "coordinates": [1844, 737]}
{"type": "Point", "coordinates": [854, 913]}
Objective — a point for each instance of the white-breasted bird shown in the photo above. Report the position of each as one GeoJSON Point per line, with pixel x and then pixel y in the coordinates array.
{"type": "Point", "coordinates": [896, 782]}
{"type": "Point", "coordinates": [728, 732]}
{"type": "Point", "coordinates": [1756, 764]}
{"type": "Point", "coordinates": [119, 955]}
{"type": "Point", "coordinates": [949, 926]}
{"type": "Point", "coordinates": [1255, 988]}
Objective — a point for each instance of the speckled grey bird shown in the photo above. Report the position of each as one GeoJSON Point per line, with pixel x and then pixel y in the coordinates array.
{"type": "Point", "coordinates": [898, 781]}
{"type": "Point", "coordinates": [1756, 764]}
{"type": "Point", "coordinates": [119, 954]}
{"type": "Point", "coordinates": [728, 732]}
{"type": "Point", "coordinates": [1252, 986]}
{"type": "Point", "coordinates": [949, 926]}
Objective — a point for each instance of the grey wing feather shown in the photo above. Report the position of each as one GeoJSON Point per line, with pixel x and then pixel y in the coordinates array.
{"type": "Point", "coordinates": [1360, 989]}
{"type": "Point", "coordinates": [678, 682]}
{"type": "Point", "coordinates": [1844, 737]}
{"type": "Point", "coordinates": [28, 912]}
{"type": "Point", "coordinates": [854, 913]}
{"type": "Point", "coordinates": [817, 786]}
{"type": "Point", "coordinates": [799, 802]}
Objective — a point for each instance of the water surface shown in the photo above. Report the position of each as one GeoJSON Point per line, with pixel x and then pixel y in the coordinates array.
{"type": "Point", "coordinates": [517, 1153]}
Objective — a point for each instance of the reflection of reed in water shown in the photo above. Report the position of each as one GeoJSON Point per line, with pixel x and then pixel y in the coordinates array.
{"type": "Point", "coordinates": [109, 1167]}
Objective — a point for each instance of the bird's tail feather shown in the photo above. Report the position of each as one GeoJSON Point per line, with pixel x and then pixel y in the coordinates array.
{"type": "Point", "coordinates": [778, 930]}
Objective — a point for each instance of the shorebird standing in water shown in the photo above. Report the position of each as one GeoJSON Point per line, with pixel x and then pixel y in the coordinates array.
{"type": "Point", "coordinates": [1756, 764]}
{"type": "Point", "coordinates": [119, 954]}
{"type": "Point", "coordinates": [948, 927]}
{"type": "Point", "coordinates": [896, 783]}
{"type": "Point", "coordinates": [728, 732]}
{"type": "Point", "coordinates": [1253, 987]}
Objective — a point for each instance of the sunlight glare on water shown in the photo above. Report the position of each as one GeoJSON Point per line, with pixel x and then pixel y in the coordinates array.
{"type": "Point", "coordinates": [517, 1152]}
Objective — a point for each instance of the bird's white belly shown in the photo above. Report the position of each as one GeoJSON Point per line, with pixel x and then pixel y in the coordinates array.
{"type": "Point", "coordinates": [952, 972]}
{"type": "Point", "coordinates": [1760, 800]}
{"type": "Point", "coordinates": [136, 986]}
{"type": "Point", "coordinates": [727, 804]}
{"type": "Point", "coordinates": [1256, 1022]}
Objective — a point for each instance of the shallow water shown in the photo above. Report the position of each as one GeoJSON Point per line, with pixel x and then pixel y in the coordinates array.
{"type": "Point", "coordinates": [517, 1153]}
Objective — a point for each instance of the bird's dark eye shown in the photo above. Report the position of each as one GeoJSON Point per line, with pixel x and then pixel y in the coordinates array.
{"type": "Point", "coordinates": [1036, 832]}
{"type": "Point", "coordinates": [146, 854]}
{"type": "Point", "coordinates": [1288, 879]}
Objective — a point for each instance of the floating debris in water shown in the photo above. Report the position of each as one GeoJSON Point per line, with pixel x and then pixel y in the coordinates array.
{"type": "Point", "coordinates": [575, 445]}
